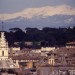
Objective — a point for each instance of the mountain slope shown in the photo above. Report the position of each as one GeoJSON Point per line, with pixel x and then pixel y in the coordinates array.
{"type": "Point", "coordinates": [57, 16]}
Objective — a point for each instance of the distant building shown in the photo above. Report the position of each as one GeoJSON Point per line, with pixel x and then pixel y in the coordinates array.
{"type": "Point", "coordinates": [47, 49]}
{"type": "Point", "coordinates": [26, 61]}
{"type": "Point", "coordinates": [28, 43]}
{"type": "Point", "coordinates": [44, 50]}
{"type": "Point", "coordinates": [56, 70]}
{"type": "Point", "coordinates": [64, 56]}
{"type": "Point", "coordinates": [36, 51]}
{"type": "Point", "coordinates": [70, 45]}
{"type": "Point", "coordinates": [14, 51]}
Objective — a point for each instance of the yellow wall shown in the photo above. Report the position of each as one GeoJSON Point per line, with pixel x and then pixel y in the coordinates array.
{"type": "Point", "coordinates": [29, 65]}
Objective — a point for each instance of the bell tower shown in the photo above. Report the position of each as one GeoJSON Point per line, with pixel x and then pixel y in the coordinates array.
{"type": "Point", "coordinates": [3, 46]}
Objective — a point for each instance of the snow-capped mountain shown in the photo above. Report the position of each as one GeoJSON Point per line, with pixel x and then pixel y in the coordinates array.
{"type": "Point", "coordinates": [49, 16]}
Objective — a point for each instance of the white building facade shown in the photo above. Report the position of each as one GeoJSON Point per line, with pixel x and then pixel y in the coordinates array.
{"type": "Point", "coordinates": [3, 47]}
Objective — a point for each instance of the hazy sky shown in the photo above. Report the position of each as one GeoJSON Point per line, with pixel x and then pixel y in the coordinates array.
{"type": "Point", "coordinates": [10, 6]}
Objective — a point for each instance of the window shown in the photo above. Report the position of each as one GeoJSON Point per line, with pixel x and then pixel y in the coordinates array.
{"type": "Point", "coordinates": [2, 53]}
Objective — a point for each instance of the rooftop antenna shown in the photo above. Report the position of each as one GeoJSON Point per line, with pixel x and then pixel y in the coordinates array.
{"type": "Point", "coordinates": [2, 26]}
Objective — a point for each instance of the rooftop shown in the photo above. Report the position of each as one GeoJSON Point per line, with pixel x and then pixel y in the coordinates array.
{"type": "Point", "coordinates": [71, 43]}
{"type": "Point", "coordinates": [65, 50]}
{"type": "Point", "coordinates": [7, 64]}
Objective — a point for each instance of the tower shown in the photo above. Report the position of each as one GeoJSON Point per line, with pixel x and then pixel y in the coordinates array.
{"type": "Point", "coordinates": [5, 62]}
{"type": "Point", "coordinates": [3, 47]}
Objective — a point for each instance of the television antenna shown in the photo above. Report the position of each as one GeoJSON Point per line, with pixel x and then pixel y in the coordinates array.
{"type": "Point", "coordinates": [2, 28]}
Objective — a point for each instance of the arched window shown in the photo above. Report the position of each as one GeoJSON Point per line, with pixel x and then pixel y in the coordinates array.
{"type": "Point", "coordinates": [2, 53]}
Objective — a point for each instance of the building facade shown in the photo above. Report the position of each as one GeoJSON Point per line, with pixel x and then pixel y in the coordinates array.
{"type": "Point", "coordinates": [3, 47]}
